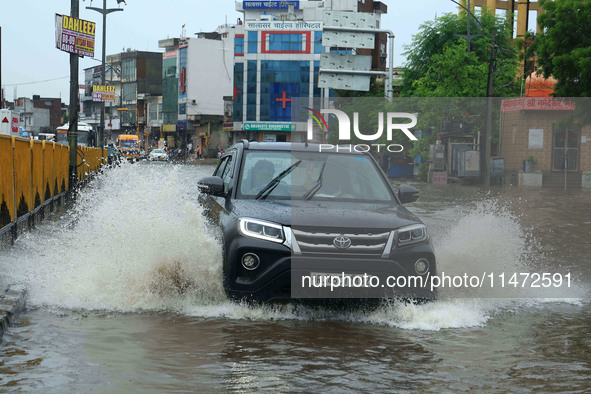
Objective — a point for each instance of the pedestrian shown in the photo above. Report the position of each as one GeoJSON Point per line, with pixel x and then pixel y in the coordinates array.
{"type": "Point", "coordinates": [198, 151]}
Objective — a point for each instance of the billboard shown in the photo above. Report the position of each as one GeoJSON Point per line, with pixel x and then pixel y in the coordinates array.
{"type": "Point", "coordinates": [74, 35]}
{"type": "Point", "coordinates": [102, 93]}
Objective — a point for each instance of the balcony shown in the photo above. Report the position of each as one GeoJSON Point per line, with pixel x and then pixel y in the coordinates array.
{"type": "Point", "coordinates": [380, 8]}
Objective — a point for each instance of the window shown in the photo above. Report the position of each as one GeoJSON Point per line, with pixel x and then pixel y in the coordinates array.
{"type": "Point", "coordinates": [252, 41]}
{"type": "Point", "coordinates": [239, 45]}
{"type": "Point", "coordinates": [343, 177]}
{"type": "Point", "coordinates": [318, 42]}
{"type": "Point", "coordinates": [129, 93]}
{"type": "Point", "coordinates": [238, 92]}
{"type": "Point", "coordinates": [225, 172]}
{"type": "Point", "coordinates": [282, 42]}
{"type": "Point", "coordinates": [251, 98]}
{"type": "Point", "coordinates": [128, 70]}
{"type": "Point", "coordinates": [152, 112]}
{"type": "Point", "coordinates": [566, 150]}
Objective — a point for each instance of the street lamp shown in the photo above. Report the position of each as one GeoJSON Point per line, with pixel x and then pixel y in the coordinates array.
{"type": "Point", "coordinates": [104, 11]}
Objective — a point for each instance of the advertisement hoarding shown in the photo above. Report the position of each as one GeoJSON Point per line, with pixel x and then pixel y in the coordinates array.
{"type": "Point", "coordinates": [74, 35]}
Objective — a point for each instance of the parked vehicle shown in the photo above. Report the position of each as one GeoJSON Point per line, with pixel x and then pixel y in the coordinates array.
{"type": "Point", "coordinates": [46, 137]}
{"type": "Point", "coordinates": [85, 134]}
{"type": "Point", "coordinates": [9, 122]}
{"type": "Point", "coordinates": [288, 211]}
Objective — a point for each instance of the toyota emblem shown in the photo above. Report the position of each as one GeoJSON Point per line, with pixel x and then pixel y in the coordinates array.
{"type": "Point", "coordinates": [342, 242]}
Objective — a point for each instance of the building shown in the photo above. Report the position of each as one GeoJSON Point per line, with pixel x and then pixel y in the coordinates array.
{"type": "Point", "coordinates": [137, 76]}
{"type": "Point", "coordinates": [170, 89]}
{"type": "Point", "coordinates": [54, 105]}
{"type": "Point", "coordinates": [276, 59]}
{"type": "Point", "coordinates": [379, 53]}
{"type": "Point", "coordinates": [539, 148]}
{"type": "Point", "coordinates": [277, 53]}
{"type": "Point", "coordinates": [521, 13]}
{"type": "Point", "coordinates": [33, 119]}
{"type": "Point", "coordinates": [197, 75]}
{"type": "Point", "coordinates": [209, 78]}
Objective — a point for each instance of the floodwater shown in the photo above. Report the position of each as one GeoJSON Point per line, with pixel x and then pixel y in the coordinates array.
{"type": "Point", "coordinates": [124, 295]}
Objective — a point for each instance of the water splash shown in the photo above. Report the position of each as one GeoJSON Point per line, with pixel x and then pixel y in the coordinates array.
{"type": "Point", "coordinates": [136, 241]}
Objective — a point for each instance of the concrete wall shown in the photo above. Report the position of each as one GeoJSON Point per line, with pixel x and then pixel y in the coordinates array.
{"type": "Point", "coordinates": [515, 140]}
{"type": "Point", "coordinates": [209, 75]}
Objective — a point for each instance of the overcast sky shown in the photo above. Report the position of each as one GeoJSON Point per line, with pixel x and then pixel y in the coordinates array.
{"type": "Point", "coordinates": [29, 56]}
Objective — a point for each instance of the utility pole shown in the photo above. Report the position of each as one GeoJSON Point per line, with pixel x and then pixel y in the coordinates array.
{"type": "Point", "coordinates": [104, 11]}
{"type": "Point", "coordinates": [469, 36]}
{"type": "Point", "coordinates": [489, 94]}
{"type": "Point", "coordinates": [73, 129]}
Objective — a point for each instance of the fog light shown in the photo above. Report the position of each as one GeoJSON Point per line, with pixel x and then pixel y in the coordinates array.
{"type": "Point", "coordinates": [250, 261]}
{"type": "Point", "coordinates": [422, 266]}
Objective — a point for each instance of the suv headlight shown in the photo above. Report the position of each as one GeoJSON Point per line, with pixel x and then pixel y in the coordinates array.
{"type": "Point", "coordinates": [411, 234]}
{"type": "Point", "coordinates": [262, 230]}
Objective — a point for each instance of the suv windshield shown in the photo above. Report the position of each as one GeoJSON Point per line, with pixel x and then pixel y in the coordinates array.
{"type": "Point", "coordinates": [319, 176]}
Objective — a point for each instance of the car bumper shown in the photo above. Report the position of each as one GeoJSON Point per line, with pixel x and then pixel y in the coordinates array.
{"type": "Point", "coordinates": [280, 274]}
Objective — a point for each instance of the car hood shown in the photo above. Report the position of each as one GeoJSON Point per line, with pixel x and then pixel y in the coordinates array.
{"type": "Point", "coordinates": [325, 213]}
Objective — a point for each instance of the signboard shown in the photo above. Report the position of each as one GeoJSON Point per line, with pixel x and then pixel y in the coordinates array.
{"type": "Point", "coordinates": [536, 104]}
{"type": "Point", "coordinates": [102, 93]}
{"type": "Point", "coordinates": [439, 178]}
{"type": "Point", "coordinates": [270, 138]}
{"type": "Point", "coordinates": [344, 81]}
{"type": "Point", "coordinates": [283, 25]}
{"type": "Point", "coordinates": [536, 138]}
{"type": "Point", "coordinates": [360, 20]}
{"type": "Point", "coordinates": [268, 127]}
{"type": "Point", "coordinates": [74, 35]}
{"type": "Point", "coordinates": [270, 5]}
{"type": "Point", "coordinates": [340, 61]}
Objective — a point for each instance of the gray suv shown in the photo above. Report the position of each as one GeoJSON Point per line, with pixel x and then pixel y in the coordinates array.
{"type": "Point", "coordinates": [293, 214]}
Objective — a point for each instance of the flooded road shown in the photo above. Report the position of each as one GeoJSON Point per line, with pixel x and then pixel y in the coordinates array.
{"type": "Point", "coordinates": [124, 294]}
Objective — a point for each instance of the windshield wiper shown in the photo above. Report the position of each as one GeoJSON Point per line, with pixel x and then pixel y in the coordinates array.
{"type": "Point", "coordinates": [265, 191]}
{"type": "Point", "coordinates": [317, 186]}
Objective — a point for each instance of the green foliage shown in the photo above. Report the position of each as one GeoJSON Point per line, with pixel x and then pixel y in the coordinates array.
{"type": "Point", "coordinates": [439, 65]}
{"type": "Point", "coordinates": [564, 46]}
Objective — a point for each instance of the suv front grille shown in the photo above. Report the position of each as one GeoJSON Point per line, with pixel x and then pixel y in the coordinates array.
{"type": "Point", "coordinates": [325, 241]}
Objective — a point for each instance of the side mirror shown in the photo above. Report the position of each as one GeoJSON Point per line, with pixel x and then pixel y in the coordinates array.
{"type": "Point", "coordinates": [212, 185]}
{"type": "Point", "coordinates": [407, 194]}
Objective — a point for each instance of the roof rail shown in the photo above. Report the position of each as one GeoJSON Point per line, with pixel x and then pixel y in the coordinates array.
{"type": "Point", "coordinates": [245, 142]}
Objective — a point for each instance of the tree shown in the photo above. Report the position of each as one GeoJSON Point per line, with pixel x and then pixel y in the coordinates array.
{"type": "Point", "coordinates": [439, 65]}
{"type": "Point", "coordinates": [563, 48]}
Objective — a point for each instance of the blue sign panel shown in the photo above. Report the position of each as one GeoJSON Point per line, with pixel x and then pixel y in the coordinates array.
{"type": "Point", "coordinates": [270, 5]}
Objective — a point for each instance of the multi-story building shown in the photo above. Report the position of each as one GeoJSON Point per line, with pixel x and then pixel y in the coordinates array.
{"type": "Point", "coordinates": [277, 53]}
{"type": "Point", "coordinates": [170, 89]}
{"type": "Point", "coordinates": [379, 54]}
{"type": "Point", "coordinates": [141, 78]}
{"type": "Point", "coordinates": [137, 76]}
{"type": "Point", "coordinates": [197, 74]}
